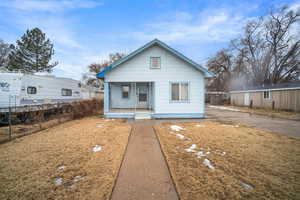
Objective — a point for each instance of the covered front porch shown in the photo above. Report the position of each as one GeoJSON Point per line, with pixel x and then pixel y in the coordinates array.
{"type": "Point", "coordinates": [129, 99]}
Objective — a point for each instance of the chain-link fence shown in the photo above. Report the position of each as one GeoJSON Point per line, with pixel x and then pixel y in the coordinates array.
{"type": "Point", "coordinates": [17, 121]}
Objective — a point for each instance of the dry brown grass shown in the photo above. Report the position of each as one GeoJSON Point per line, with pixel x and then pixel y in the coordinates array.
{"type": "Point", "coordinates": [29, 165]}
{"type": "Point", "coordinates": [268, 162]}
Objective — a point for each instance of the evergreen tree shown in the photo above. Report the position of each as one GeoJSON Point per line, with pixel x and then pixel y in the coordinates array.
{"type": "Point", "coordinates": [32, 53]}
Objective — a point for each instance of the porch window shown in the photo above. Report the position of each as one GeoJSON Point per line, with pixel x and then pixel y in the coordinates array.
{"type": "Point", "coordinates": [125, 91]}
{"type": "Point", "coordinates": [180, 92]}
{"type": "Point", "coordinates": [155, 62]}
{"type": "Point", "coordinates": [267, 95]}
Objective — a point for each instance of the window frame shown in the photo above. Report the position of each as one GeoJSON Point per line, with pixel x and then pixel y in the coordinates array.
{"type": "Point", "coordinates": [122, 92]}
{"type": "Point", "coordinates": [151, 67]}
{"type": "Point", "coordinates": [31, 87]}
{"type": "Point", "coordinates": [66, 95]}
{"type": "Point", "coordinates": [269, 94]}
{"type": "Point", "coordinates": [180, 97]}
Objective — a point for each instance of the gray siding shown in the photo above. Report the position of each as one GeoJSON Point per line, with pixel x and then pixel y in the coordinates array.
{"type": "Point", "coordinates": [116, 97]}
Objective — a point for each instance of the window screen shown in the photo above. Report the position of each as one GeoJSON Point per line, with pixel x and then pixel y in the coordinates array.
{"type": "Point", "coordinates": [66, 92]}
{"type": "Point", "coordinates": [125, 91]}
{"type": "Point", "coordinates": [31, 90]}
{"type": "Point", "coordinates": [179, 92]}
{"type": "Point", "coordinates": [155, 62]}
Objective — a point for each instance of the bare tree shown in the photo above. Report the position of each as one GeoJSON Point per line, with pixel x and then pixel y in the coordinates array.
{"type": "Point", "coordinates": [98, 67]}
{"type": "Point", "coordinates": [221, 65]}
{"type": "Point", "coordinates": [267, 52]}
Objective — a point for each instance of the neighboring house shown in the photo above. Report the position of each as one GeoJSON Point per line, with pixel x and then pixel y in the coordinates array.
{"type": "Point", "coordinates": [285, 96]}
{"type": "Point", "coordinates": [155, 81]}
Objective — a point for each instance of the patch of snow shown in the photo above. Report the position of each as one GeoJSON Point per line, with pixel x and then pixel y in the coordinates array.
{"type": "Point", "coordinates": [225, 108]}
{"type": "Point", "coordinates": [200, 125]}
{"type": "Point", "coordinates": [97, 148]}
{"type": "Point", "coordinates": [61, 167]}
{"type": "Point", "coordinates": [247, 186]}
{"type": "Point", "coordinates": [99, 125]}
{"type": "Point", "coordinates": [208, 164]}
{"type": "Point", "coordinates": [58, 181]}
{"type": "Point", "coordinates": [200, 154]}
{"type": "Point", "coordinates": [228, 125]}
{"type": "Point", "coordinates": [180, 136]}
{"type": "Point", "coordinates": [176, 128]}
{"type": "Point", "coordinates": [223, 153]}
{"type": "Point", "coordinates": [191, 148]}
{"type": "Point", "coordinates": [77, 178]}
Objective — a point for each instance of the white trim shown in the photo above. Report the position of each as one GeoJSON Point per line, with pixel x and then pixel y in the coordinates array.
{"type": "Point", "coordinates": [261, 90]}
{"type": "Point", "coordinates": [269, 96]}
{"type": "Point", "coordinates": [180, 83]}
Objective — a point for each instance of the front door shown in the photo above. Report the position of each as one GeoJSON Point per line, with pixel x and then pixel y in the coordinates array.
{"type": "Point", "coordinates": [142, 95]}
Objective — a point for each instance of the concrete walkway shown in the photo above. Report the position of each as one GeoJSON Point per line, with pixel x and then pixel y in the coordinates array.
{"type": "Point", "coordinates": [144, 174]}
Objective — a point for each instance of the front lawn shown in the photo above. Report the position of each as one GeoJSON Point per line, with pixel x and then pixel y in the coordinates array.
{"type": "Point", "coordinates": [75, 160]}
{"type": "Point", "coordinates": [211, 160]}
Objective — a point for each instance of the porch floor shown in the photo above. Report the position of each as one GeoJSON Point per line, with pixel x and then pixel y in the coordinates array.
{"type": "Point", "coordinates": [130, 110]}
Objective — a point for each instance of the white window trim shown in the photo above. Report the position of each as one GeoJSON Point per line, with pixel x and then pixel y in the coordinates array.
{"type": "Point", "coordinates": [170, 93]}
{"type": "Point", "coordinates": [269, 94]}
{"type": "Point", "coordinates": [151, 62]}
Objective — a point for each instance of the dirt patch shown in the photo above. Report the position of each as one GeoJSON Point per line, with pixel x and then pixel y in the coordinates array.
{"type": "Point", "coordinates": [231, 161]}
{"type": "Point", "coordinates": [75, 160]}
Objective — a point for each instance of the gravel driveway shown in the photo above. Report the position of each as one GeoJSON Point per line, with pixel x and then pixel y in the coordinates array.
{"type": "Point", "coordinates": [281, 126]}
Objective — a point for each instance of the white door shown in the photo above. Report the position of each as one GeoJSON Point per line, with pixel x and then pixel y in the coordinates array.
{"type": "Point", "coordinates": [142, 96]}
{"type": "Point", "coordinates": [247, 99]}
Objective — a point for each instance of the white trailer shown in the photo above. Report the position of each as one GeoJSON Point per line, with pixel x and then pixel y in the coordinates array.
{"type": "Point", "coordinates": [18, 89]}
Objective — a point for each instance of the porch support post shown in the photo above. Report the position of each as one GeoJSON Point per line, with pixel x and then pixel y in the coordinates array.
{"type": "Point", "coordinates": [106, 97]}
{"type": "Point", "coordinates": [135, 94]}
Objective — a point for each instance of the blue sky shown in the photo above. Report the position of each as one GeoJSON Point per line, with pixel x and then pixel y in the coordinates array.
{"type": "Point", "coordinates": [86, 31]}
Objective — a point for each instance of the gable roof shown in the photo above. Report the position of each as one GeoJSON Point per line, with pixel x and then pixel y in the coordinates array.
{"type": "Point", "coordinates": [164, 46]}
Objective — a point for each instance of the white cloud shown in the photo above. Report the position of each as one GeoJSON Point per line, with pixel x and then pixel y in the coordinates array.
{"type": "Point", "coordinates": [49, 5]}
{"type": "Point", "coordinates": [56, 28]}
{"type": "Point", "coordinates": [216, 25]}
{"type": "Point", "coordinates": [73, 55]}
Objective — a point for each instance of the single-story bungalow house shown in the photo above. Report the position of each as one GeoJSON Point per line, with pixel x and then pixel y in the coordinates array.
{"type": "Point", "coordinates": [155, 81]}
{"type": "Point", "coordinates": [284, 96]}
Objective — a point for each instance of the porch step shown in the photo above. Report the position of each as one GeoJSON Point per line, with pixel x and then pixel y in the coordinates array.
{"type": "Point", "coordinates": [142, 115]}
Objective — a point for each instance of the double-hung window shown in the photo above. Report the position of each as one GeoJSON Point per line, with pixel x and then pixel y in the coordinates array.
{"type": "Point", "coordinates": [125, 91]}
{"type": "Point", "coordinates": [179, 92]}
